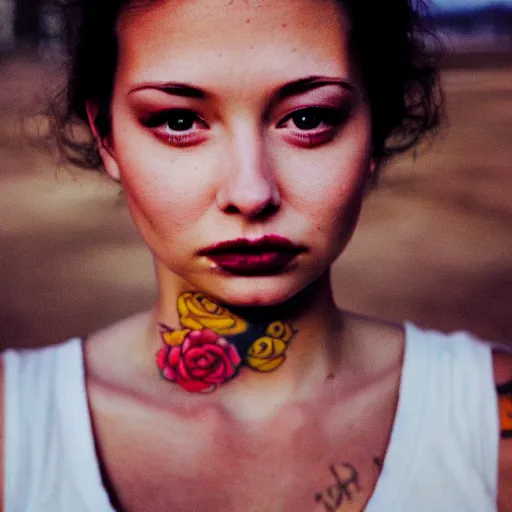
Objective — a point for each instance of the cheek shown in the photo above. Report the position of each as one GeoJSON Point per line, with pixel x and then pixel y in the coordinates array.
{"type": "Point", "coordinates": [337, 219]}
{"type": "Point", "coordinates": [329, 187]}
{"type": "Point", "coordinates": [327, 178]}
{"type": "Point", "coordinates": [154, 198]}
{"type": "Point", "coordinates": [161, 188]}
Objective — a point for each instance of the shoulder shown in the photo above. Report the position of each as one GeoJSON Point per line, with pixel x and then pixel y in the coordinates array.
{"type": "Point", "coordinates": [362, 332]}
{"type": "Point", "coordinates": [503, 378]}
{"type": "Point", "coordinates": [117, 342]}
{"type": "Point", "coordinates": [130, 328]}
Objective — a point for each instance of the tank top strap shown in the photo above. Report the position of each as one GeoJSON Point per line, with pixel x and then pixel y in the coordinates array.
{"type": "Point", "coordinates": [443, 452]}
{"type": "Point", "coordinates": [50, 462]}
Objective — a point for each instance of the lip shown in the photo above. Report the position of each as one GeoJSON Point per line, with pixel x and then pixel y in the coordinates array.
{"type": "Point", "coordinates": [270, 254]}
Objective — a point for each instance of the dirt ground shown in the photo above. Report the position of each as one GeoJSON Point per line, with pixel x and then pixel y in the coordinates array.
{"type": "Point", "coordinates": [434, 245]}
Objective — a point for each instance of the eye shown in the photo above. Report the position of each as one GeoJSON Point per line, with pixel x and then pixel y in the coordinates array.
{"type": "Point", "coordinates": [180, 120]}
{"type": "Point", "coordinates": [311, 127]}
{"type": "Point", "coordinates": [307, 119]}
{"type": "Point", "coordinates": [312, 118]}
{"type": "Point", "coordinates": [178, 127]}
{"type": "Point", "coordinates": [177, 120]}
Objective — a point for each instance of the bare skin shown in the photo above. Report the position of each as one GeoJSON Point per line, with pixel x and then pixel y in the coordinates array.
{"type": "Point", "coordinates": [275, 451]}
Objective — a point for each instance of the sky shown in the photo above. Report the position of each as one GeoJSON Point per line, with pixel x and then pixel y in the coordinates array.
{"type": "Point", "coordinates": [447, 4]}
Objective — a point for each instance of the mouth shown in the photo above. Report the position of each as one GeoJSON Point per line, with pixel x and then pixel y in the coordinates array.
{"type": "Point", "coordinates": [269, 255]}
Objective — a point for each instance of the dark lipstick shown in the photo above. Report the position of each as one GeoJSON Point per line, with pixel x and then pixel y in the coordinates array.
{"type": "Point", "coordinates": [268, 255]}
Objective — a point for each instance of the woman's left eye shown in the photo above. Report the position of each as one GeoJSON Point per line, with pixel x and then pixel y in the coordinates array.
{"type": "Point", "coordinates": [311, 127]}
{"type": "Point", "coordinates": [312, 119]}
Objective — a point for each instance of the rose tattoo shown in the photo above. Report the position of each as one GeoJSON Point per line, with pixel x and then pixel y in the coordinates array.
{"type": "Point", "coordinates": [214, 344]}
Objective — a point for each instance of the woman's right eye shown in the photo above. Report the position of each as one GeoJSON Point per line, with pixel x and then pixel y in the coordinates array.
{"type": "Point", "coordinates": [180, 120]}
{"type": "Point", "coordinates": [178, 127]}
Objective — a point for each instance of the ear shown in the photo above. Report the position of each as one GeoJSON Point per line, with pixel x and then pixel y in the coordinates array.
{"type": "Point", "coordinates": [373, 167]}
{"type": "Point", "coordinates": [371, 174]}
{"type": "Point", "coordinates": [104, 146]}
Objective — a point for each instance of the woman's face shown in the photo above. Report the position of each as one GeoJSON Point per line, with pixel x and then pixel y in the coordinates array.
{"type": "Point", "coordinates": [240, 120]}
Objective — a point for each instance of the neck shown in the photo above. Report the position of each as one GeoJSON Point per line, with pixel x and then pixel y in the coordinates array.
{"type": "Point", "coordinates": [205, 344]}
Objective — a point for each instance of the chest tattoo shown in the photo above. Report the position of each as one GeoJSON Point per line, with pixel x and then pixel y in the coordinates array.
{"type": "Point", "coordinates": [344, 489]}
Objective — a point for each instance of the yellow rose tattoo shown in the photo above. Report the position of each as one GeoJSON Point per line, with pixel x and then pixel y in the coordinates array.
{"type": "Point", "coordinates": [173, 338]}
{"type": "Point", "coordinates": [197, 312]}
{"type": "Point", "coordinates": [268, 352]}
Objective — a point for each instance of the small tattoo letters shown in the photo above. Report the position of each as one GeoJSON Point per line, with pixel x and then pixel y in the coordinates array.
{"type": "Point", "coordinates": [345, 487]}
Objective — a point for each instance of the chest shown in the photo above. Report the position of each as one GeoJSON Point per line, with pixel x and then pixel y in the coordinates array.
{"type": "Point", "coordinates": [324, 458]}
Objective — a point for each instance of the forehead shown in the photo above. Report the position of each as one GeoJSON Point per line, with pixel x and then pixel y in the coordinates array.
{"type": "Point", "coordinates": [200, 39]}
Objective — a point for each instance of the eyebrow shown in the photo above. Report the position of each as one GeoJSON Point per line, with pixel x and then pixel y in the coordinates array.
{"type": "Point", "coordinates": [290, 89]}
{"type": "Point", "coordinates": [312, 82]}
{"type": "Point", "coordinates": [174, 88]}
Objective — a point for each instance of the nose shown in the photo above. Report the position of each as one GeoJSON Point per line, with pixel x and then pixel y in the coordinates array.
{"type": "Point", "coordinates": [249, 186]}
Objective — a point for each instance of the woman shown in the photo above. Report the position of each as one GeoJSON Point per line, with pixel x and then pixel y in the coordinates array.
{"type": "Point", "coordinates": [244, 134]}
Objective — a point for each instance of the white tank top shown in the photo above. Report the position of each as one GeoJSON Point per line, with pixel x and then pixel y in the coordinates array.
{"type": "Point", "coordinates": [442, 457]}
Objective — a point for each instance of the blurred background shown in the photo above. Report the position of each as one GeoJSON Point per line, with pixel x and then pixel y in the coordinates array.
{"type": "Point", "coordinates": [435, 241]}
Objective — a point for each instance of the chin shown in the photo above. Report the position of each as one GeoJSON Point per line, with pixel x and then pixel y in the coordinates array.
{"type": "Point", "coordinates": [258, 292]}
{"type": "Point", "coordinates": [254, 292]}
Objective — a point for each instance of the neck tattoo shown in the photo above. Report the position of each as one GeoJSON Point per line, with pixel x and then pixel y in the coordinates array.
{"type": "Point", "coordinates": [214, 344]}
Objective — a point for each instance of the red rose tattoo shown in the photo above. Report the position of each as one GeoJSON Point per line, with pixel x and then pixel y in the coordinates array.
{"type": "Point", "coordinates": [200, 362]}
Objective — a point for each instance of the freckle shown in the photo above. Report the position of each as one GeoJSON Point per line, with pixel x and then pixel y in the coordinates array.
{"type": "Point", "coordinates": [220, 54]}
{"type": "Point", "coordinates": [294, 49]}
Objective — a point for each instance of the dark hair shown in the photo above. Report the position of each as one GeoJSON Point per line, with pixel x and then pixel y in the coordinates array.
{"type": "Point", "coordinates": [390, 39]}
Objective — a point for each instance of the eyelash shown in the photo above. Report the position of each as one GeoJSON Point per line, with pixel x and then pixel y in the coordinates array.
{"type": "Point", "coordinates": [331, 117]}
{"type": "Point", "coordinates": [172, 136]}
